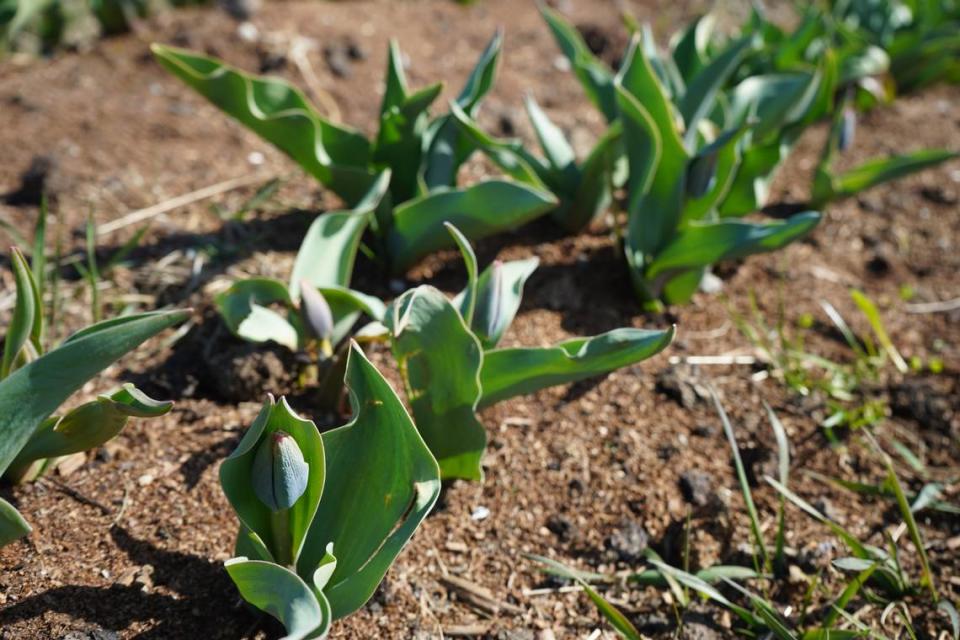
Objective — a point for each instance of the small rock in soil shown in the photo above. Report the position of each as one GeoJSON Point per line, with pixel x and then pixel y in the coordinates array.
{"type": "Point", "coordinates": [562, 527]}
{"type": "Point", "coordinates": [680, 386]}
{"type": "Point", "coordinates": [939, 195]}
{"type": "Point", "coordinates": [338, 60]}
{"type": "Point", "coordinates": [824, 506]}
{"type": "Point", "coordinates": [34, 182]}
{"type": "Point", "coordinates": [697, 487]}
{"type": "Point", "coordinates": [695, 630]}
{"type": "Point", "coordinates": [705, 430]}
{"type": "Point", "coordinates": [629, 541]}
{"type": "Point", "coordinates": [241, 9]}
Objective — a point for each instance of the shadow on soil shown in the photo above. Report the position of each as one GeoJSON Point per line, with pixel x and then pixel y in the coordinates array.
{"type": "Point", "coordinates": [205, 604]}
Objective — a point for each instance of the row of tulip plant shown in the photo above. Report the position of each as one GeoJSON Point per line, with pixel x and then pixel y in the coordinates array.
{"type": "Point", "coordinates": [693, 140]}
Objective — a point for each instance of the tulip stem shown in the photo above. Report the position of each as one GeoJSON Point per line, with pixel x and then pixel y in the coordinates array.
{"type": "Point", "coordinates": [280, 527]}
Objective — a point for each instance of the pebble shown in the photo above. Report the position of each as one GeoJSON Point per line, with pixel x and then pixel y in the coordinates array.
{"type": "Point", "coordinates": [629, 541]}
{"type": "Point", "coordinates": [697, 487]}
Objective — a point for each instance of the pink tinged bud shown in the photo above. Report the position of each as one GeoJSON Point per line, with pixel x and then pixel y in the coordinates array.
{"type": "Point", "coordinates": [488, 310]}
{"type": "Point", "coordinates": [315, 312]}
{"type": "Point", "coordinates": [279, 473]}
{"type": "Point", "coordinates": [847, 129]}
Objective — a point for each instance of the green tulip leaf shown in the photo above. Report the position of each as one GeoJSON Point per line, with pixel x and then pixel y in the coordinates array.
{"type": "Point", "coordinates": [27, 314]}
{"type": "Point", "coordinates": [279, 113]}
{"type": "Point", "coordinates": [329, 248]}
{"type": "Point", "coordinates": [12, 524]}
{"type": "Point", "coordinates": [440, 361]}
{"type": "Point", "coordinates": [479, 211]}
{"type": "Point", "coordinates": [281, 593]}
{"type": "Point", "coordinates": [517, 371]}
{"type": "Point", "coordinates": [593, 74]}
{"type": "Point", "coordinates": [383, 482]}
{"type": "Point", "coordinates": [877, 171]}
{"type": "Point", "coordinates": [91, 424]}
{"type": "Point", "coordinates": [498, 302]}
{"type": "Point", "coordinates": [29, 395]}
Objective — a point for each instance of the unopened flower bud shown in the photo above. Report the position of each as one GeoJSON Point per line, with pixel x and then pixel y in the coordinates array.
{"type": "Point", "coordinates": [279, 471]}
{"type": "Point", "coordinates": [847, 129]}
{"type": "Point", "coordinates": [315, 312]}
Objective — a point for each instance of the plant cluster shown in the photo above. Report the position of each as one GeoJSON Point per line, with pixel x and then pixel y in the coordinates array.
{"type": "Point", "coordinates": [694, 137]}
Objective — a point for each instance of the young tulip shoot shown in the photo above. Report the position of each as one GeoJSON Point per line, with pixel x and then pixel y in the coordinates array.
{"type": "Point", "coordinates": [317, 317]}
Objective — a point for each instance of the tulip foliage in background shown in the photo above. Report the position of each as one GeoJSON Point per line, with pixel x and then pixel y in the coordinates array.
{"type": "Point", "coordinates": [34, 383]}
{"type": "Point", "coordinates": [423, 154]}
{"type": "Point", "coordinates": [322, 517]}
{"type": "Point", "coordinates": [683, 142]}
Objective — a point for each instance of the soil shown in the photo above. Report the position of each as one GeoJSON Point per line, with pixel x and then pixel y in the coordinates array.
{"type": "Point", "coordinates": [131, 542]}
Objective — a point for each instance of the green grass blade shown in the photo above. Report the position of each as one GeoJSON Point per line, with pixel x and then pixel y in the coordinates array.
{"type": "Point", "coordinates": [744, 483]}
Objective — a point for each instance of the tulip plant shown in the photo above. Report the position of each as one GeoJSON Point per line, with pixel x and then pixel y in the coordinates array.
{"type": "Point", "coordinates": [323, 516]}
{"type": "Point", "coordinates": [34, 382]}
{"type": "Point", "coordinates": [448, 355]}
{"type": "Point", "coordinates": [422, 153]}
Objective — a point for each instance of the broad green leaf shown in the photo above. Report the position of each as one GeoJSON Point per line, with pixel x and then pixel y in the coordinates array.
{"type": "Point", "coordinates": [236, 478]}
{"type": "Point", "coordinates": [690, 47]}
{"type": "Point", "coordinates": [478, 211]}
{"type": "Point", "coordinates": [468, 300]}
{"type": "Point", "coordinates": [33, 392]}
{"type": "Point", "coordinates": [558, 152]}
{"type": "Point", "coordinates": [654, 216]}
{"type": "Point", "coordinates": [244, 311]}
{"type": "Point", "coordinates": [751, 183]}
{"type": "Point", "coordinates": [773, 101]}
{"type": "Point", "coordinates": [24, 318]}
{"type": "Point", "coordinates": [440, 361]}
{"type": "Point", "coordinates": [722, 158]}
{"type": "Point", "coordinates": [383, 482]}
{"type": "Point", "coordinates": [346, 305]}
{"type": "Point", "coordinates": [593, 74]}
{"type": "Point", "coordinates": [643, 144]}
{"type": "Point", "coordinates": [447, 146]}
{"type": "Point", "coordinates": [509, 155]}
{"type": "Point", "coordinates": [705, 243]}
{"type": "Point", "coordinates": [12, 524]}
{"type": "Point", "coordinates": [399, 143]}
{"type": "Point", "coordinates": [593, 194]}
{"type": "Point", "coordinates": [91, 424]}
{"type": "Point", "coordinates": [277, 591]}
{"type": "Point", "coordinates": [702, 89]}
{"type": "Point", "coordinates": [878, 171]}
{"type": "Point", "coordinates": [521, 370]}
{"type": "Point", "coordinates": [395, 91]}
{"type": "Point", "coordinates": [280, 114]}
{"type": "Point", "coordinates": [498, 303]}
{"type": "Point", "coordinates": [329, 248]}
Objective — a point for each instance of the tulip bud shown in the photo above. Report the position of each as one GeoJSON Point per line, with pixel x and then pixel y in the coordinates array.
{"type": "Point", "coordinates": [701, 174]}
{"type": "Point", "coordinates": [488, 307]}
{"type": "Point", "coordinates": [847, 129]}
{"type": "Point", "coordinates": [279, 471]}
{"type": "Point", "coordinates": [316, 315]}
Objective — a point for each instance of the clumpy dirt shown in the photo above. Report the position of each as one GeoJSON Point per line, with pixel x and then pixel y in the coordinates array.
{"type": "Point", "coordinates": [131, 543]}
